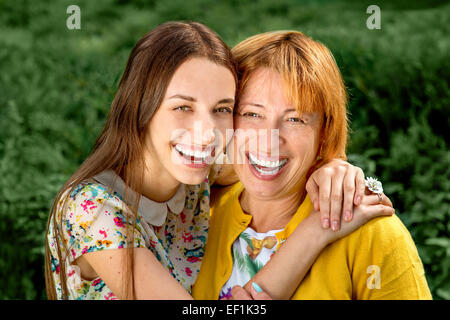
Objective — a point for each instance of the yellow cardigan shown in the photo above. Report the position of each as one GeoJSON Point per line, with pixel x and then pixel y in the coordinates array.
{"type": "Point", "coordinates": [377, 261]}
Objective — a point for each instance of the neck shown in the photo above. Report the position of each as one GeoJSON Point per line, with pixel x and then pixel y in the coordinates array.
{"type": "Point", "coordinates": [161, 191]}
{"type": "Point", "coordinates": [158, 185]}
{"type": "Point", "coordinates": [271, 214]}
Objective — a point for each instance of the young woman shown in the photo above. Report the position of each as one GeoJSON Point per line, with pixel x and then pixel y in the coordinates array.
{"type": "Point", "coordinates": [132, 222]}
{"type": "Point", "coordinates": [290, 83]}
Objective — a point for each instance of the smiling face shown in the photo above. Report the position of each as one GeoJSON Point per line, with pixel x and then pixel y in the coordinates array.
{"type": "Point", "coordinates": [187, 130]}
{"type": "Point", "coordinates": [276, 164]}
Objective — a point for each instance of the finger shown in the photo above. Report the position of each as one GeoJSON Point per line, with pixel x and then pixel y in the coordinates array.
{"type": "Point", "coordinates": [337, 192]}
{"type": "Point", "coordinates": [387, 201]}
{"type": "Point", "coordinates": [360, 186]}
{"type": "Point", "coordinates": [324, 198]}
{"type": "Point", "coordinates": [239, 293]}
{"type": "Point", "coordinates": [349, 193]}
{"type": "Point", "coordinates": [373, 199]}
{"type": "Point", "coordinates": [313, 190]}
{"type": "Point", "coordinates": [378, 210]}
{"type": "Point", "coordinates": [258, 293]}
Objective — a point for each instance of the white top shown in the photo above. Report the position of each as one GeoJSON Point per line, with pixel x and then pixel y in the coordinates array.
{"type": "Point", "coordinates": [251, 251]}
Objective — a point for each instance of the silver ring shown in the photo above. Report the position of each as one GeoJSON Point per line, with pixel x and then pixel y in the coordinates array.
{"type": "Point", "coordinates": [380, 197]}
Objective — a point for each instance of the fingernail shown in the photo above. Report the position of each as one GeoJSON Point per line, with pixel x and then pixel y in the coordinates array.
{"type": "Point", "coordinates": [256, 287]}
{"type": "Point", "coordinates": [334, 225]}
{"type": "Point", "coordinates": [325, 223]}
{"type": "Point", "coordinates": [347, 215]}
{"type": "Point", "coordinates": [358, 199]}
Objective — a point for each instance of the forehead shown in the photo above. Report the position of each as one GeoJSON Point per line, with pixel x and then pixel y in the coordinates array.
{"type": "Point", "coordinates": [264, 86]}
{"type": "Point", "coordinates": [200, 77]}
{"type": "Point", "coordinates": [263, 82]}
{"type": "Point", "coordinates": [268, 87]}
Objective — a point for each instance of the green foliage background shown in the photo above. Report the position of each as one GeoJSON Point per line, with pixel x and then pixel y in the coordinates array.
{"type": "Point", "coordinates": [56, 86]}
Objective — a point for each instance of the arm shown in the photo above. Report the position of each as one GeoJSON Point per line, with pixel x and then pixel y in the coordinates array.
{"type": "Point", "coordinates": [107, 226]}
{"type": "Point", "coordinates": [284, 272]}
{"type": "Point", "coordinates": [333, 188]}
{"type": "Point", "coordinates": [151, 279]}
{"type": "Point", "coordinates": [286, 269]}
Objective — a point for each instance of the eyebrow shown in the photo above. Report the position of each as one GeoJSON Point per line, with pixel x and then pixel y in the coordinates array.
{"type": "Point", "coordinates": [262, 106]}
{"type": "Point", "coordinates": [253, 104]}
{"type": "Point", "coordinates": [228, 100]}
{"type": "Point", "coordinates": [180, 96]}
{"type": "Point", "coordinates": [188, 98]}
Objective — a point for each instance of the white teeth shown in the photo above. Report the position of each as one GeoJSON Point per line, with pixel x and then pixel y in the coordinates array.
{"type": "Point", "coordinates": [264, 172]}
{"type": "Point", "coordinates": [266, 163]}
{"type": "Point", "coordinates": [190, 153]}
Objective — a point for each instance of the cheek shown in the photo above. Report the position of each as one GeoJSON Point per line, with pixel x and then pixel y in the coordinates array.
{"type": "Point", "coordinates": [246, 132]}
{"type": "Point", "coordinates": [159, 133]}
{"type": "Point", "coordinates": [305, 146]}
{"type": "Point", "coordinates": [167, 127]}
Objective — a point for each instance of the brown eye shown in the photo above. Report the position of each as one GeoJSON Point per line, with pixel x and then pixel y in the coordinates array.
{"type": "Point", "coordinates": [224, 110]}
{"type": "Point", "coordinates": [296, 120]}
{"type": "Point", "coordinates": [251, 115]}
{"type": "Point", "coordinates": [182, 108]}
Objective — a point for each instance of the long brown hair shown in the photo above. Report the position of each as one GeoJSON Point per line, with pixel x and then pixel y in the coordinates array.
{"type": "Point", "coordinates": [119, 147]}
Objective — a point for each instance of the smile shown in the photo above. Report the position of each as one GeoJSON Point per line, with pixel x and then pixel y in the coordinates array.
{"type": "Point", "coordinates": [196, 158]}
{"type": "Point", "coordinates": [191, 153]}
{"type": "Point", "coordinates": [266, 167]}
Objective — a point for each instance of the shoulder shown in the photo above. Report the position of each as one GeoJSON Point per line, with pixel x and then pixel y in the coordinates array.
{"type": "Point", "coordinates": [385, 250]}
{"type": "Point", "coordinates": [89, 194]}
{"type": "Point", "coordinates": [92, 190]}
{"type": "Point", "coordinates": [95, 218]}
{"type": "Point", "coordinates": [91, 202]}
{"type": "Point", "coordinates": [386, 240]}
{"type": "Point", "coordinates": [386, 231]}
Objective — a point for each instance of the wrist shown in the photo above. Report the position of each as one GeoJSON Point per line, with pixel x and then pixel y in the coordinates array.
{"type": "Point", "coordinates": [312, 229]}
{"type": "Point", "coordinates": [326, 236]}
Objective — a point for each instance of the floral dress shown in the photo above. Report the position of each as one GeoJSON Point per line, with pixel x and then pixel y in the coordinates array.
{"type": "Point", "coordinates": [97, 218]}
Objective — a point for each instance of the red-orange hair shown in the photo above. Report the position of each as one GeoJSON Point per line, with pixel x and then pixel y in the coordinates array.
{"type": "Point", "coordinates": [312, 81]}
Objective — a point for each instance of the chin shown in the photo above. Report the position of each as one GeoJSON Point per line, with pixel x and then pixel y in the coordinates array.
{"type": "Point", "coordinates": [192, 178]}
{"type": "Point", "coordinates": [262, 189]}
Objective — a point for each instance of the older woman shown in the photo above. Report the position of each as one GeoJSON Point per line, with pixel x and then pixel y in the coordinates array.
{"type": "Point", "coordinates": [291, 87]}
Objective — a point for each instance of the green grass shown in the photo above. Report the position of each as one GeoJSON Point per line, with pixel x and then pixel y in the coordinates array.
{"type": "Point", "coordinates": [56, 86]}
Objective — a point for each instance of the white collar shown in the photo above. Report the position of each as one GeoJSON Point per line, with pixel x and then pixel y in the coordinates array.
{"type": "Point", "coordinates": [152, 212]}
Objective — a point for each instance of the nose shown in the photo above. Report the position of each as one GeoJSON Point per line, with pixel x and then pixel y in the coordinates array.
{"type": "Point", "coordinates": [204, 130]}
{"type": "Point", "coordinates": [271, 136]}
